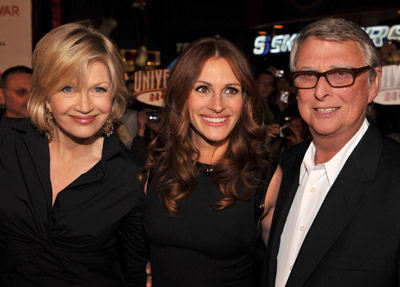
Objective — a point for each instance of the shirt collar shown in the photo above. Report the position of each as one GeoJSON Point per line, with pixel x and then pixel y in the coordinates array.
{"type": "Point", "coordinates": [335, 164]}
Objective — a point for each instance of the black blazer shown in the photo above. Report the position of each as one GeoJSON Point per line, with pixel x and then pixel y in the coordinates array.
{"type": "Point", "coordinates": [355, 237]}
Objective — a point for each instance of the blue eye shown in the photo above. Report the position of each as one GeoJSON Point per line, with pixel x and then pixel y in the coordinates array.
{"type": "Point", "coordinates": [67, 89]}
{"type": "Point", "coordinates": [100, 90]}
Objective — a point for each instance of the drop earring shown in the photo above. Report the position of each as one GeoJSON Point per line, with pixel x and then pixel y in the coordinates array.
{"type": "Point", "coordinates": [108, 127]}
{"type": "Point", "coordinates": [49, 126]}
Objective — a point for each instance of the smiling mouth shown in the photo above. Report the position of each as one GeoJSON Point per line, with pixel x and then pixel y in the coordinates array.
{"type": "Point", "coordinates": [215, 120]}
{"type": "Point", "coordinates": [328, 110]}
{"type": "Point", "coordinates": [84, 120]}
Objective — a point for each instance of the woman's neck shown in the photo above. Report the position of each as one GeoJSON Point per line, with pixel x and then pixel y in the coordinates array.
{"type": "Point", "coordinates": [210, 152]}
{"type": "Point", "coordinates": [65, 148]}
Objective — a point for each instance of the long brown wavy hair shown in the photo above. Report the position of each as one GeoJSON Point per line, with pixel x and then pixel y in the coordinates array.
{"type": "Point", "coordinates": [172, 155]}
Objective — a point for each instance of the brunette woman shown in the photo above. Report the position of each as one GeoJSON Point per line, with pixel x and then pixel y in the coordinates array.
{"type": "Point", "coordinates": [208, 172]}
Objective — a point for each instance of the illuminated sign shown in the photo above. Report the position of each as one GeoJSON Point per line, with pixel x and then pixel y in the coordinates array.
{"type": "Point", "coordinates": [15, 33]}
{"type": "Point", "coordinates": [389, 88]}
{"type": "Point", "coordinates": [264, 44]}
{"type": "Point", "coordinates": [150, 86]}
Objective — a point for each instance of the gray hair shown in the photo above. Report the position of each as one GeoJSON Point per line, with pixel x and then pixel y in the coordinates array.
{"type": "Point", "coordinates": [338, 30]}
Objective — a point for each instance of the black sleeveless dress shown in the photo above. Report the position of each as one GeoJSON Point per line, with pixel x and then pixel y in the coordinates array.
{"type": "Point", "coordinates": [201, 246]}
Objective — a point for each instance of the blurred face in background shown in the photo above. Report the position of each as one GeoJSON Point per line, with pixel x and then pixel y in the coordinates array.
{"type": "Point", "coordinates": [150, 118]}
{"type": "Point", "coordinates": [16, 95]}
{"type": "Point", "coordinates": [265, 84]}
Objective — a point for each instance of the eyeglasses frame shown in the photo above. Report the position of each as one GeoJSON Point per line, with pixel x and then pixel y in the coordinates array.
{"type": "Point", "coordinates": [354, 71]}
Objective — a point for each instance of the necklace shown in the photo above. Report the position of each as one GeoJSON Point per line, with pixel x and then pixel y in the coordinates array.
{"type": "Point", "coordinates": [204, 168]}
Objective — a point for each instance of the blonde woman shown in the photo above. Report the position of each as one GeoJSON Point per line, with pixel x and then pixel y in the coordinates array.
{"type": "Point", "coordinates": [67, 181]}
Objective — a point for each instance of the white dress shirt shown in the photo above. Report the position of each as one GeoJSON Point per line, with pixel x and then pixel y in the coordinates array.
{"type": "Point", "coordinates": [314, 184]}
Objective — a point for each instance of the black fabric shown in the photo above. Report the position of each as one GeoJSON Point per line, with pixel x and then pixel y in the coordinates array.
{"type": "Point", "coordinates": [261, 192]}
{"type": "Point", "coordinates": [354, 239]}
{"type": "Point", "coordinates": [72, 243]}
{"type": "Point", "coordinates": [201, 246]}
{"type": "Point", "coordinates": [139, 147]}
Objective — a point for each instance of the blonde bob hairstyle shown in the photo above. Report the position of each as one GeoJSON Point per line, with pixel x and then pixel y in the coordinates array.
{"type": "Point", "coordinates": [62, 56]}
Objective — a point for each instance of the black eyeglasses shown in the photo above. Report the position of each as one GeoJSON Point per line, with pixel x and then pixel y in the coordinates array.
{"type": "Point", "coordinates": [336, 78]}
{"type": "Point", "coordinates": [20, 92]}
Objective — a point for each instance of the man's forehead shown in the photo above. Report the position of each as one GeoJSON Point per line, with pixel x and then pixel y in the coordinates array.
{"type": "Point", "coordinates": [341, 54]}
{"type": "Point", "coordinates": [19, 78]}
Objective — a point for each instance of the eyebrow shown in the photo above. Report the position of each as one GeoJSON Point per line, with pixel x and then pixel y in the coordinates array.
{"type": "Point", "coordinates": [341, 66]}
{"type": "Point", "coordinates": [101, 83]}
{"type": "Point", "coordinates": [228, 84]}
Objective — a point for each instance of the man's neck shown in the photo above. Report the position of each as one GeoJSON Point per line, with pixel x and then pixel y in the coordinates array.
{"type": "Point", "coordinates": [326, 149]}
{"type": "Point", "coordinates": [327, 146]}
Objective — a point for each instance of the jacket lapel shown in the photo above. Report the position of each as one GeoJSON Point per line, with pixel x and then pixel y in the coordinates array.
{"type": "Point", "coordinates": [287, 191]}
{"type": "Point", "coordinates": [38, 147]}
{"type": "Point", "coordinates": [343, 201]}
{"type": "Point", "coordinates": [32, 156]}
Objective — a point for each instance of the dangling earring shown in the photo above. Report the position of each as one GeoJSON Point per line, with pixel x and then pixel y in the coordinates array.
{"type": "Point", "coordinates": [49, 126]}
{"type": "Point", "coordinates": [108, 127]}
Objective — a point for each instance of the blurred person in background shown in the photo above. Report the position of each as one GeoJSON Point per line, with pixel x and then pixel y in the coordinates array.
{"type": "Point", "coordinates": [129, 122]}
{"type": "Point", "coordinates": [285, 127]}
{"type": "Point", "coordinates": [265, 81]}
{"type": "Point", "coordinates": [293, 130]}
{"type": "Point", "coordinates": [15, 89]}
{"type": "Point", "coordinates": [282, 101]}
{"type": "Point", "coordinates": [149, 123]}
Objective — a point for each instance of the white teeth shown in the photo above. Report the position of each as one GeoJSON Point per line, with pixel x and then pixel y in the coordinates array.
{"type": "Point", "coordinates": [326, 110]}
{"type": "Point", "coordinates": [214, 120]}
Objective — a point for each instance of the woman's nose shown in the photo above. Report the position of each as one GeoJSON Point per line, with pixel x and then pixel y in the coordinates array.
{"type": "Point", "coordinates": [84, 104]}
{"type": "Point", "coordinates": [216, 103]}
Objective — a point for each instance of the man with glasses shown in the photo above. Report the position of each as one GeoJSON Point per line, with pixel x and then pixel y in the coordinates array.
{"type": "Point", "coordinates": [337, 215]}
{"type": "Point", "coordinates": [15, 89]}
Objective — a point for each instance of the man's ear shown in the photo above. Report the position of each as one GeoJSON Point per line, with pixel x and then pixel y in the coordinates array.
{"type": "Point", "coordinates": [374, 86]}
{"type": "Point", "coordinates": [2, 97]}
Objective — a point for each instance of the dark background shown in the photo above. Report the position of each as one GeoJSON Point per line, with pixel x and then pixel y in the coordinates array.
{"type": "Point", "coordinates": [163, 23]}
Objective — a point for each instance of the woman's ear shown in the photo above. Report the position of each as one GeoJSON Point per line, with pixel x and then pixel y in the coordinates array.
{"type": "Point", "coordinates": [48, 106]}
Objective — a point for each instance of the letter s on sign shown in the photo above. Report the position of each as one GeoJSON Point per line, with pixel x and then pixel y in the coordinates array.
{"type": "Point", "coordinates": [261, 45]}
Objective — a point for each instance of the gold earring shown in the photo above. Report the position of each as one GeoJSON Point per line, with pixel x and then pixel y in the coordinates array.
{"type": "Point", "coordinates": [49, 126]}
{"type": "Point", "coordinates": [108, 127]}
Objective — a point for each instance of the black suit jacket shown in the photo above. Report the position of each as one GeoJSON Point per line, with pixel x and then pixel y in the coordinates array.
{"type": "Point", "coordinates": [355, 237]}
